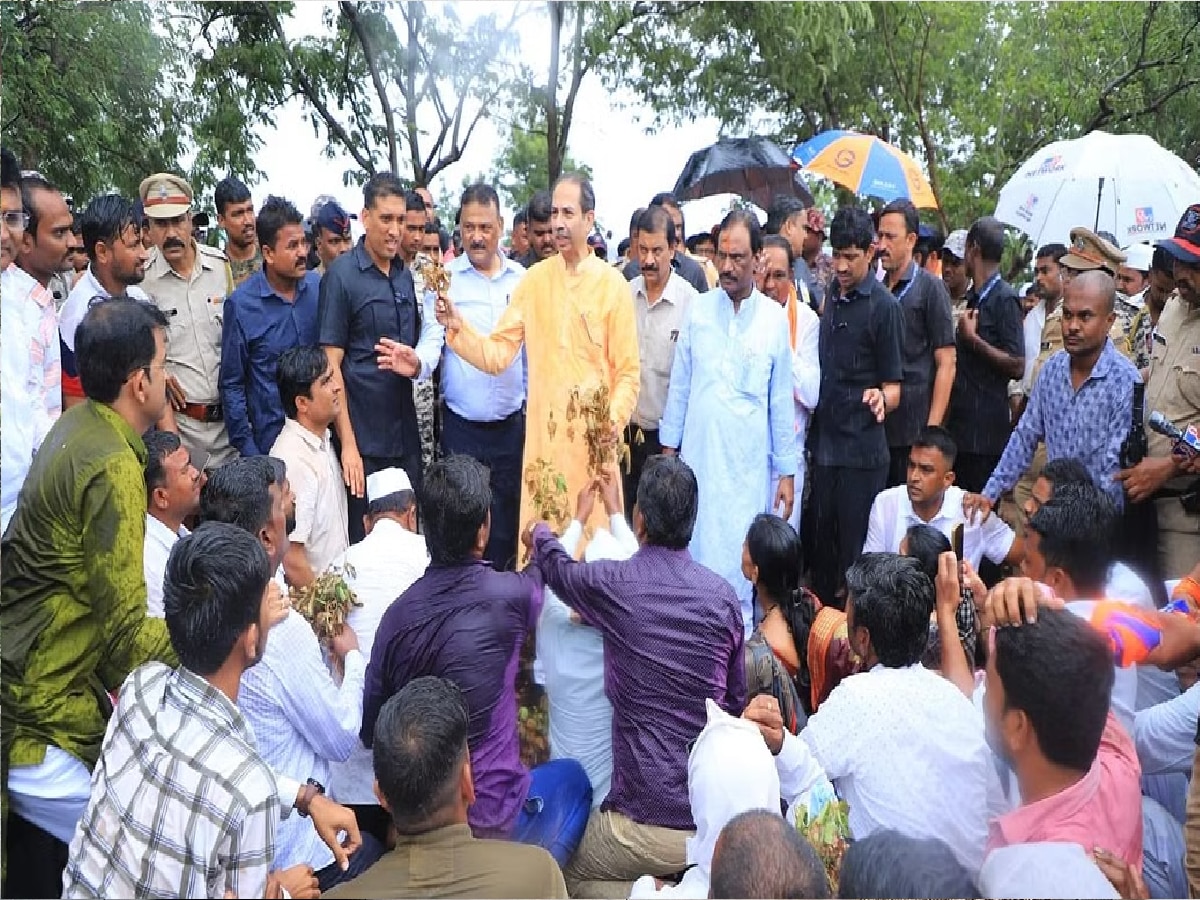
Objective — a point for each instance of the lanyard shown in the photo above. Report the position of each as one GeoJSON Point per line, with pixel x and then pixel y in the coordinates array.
{"type": "Point", "coordinates": [911, 281]}
{"type": "Point", "coordinates": [987, 289]}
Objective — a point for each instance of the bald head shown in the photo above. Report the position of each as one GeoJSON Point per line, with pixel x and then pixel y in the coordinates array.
{"type": "Point", "coordinates": [760, 854]}
{"type": "Point", "coordinates": [1094, 284]}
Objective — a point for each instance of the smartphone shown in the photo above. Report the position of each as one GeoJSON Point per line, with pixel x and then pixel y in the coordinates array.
{"type": "Point", "coordinates": [956, 541]}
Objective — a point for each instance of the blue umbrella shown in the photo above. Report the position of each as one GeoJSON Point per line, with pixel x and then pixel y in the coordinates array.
{"type": "Point", "coordinates": [866, 165]}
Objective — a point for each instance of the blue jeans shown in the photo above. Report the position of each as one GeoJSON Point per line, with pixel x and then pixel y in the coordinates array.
{"type": "Point", "coordinates": [556, 809]}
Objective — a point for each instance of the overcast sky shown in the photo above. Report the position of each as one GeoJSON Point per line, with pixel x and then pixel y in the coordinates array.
{"type": "Point", "coordinates": [608, 134]}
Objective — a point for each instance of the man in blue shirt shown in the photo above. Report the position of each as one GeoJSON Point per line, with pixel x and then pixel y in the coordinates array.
{"type": "Point", "coordinates": [484, 415]}
{"type": "Point", "coordinates": [273, 310]}
{"type": "Point", "coordinates": [1082, 401]}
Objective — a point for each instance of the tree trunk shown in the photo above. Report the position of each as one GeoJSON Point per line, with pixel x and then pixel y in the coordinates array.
{"type": "Point", "coordinates": [553, 153]}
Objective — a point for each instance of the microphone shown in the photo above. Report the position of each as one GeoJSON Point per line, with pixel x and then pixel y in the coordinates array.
{"type": "Point", "coordinates": [1164, 426]}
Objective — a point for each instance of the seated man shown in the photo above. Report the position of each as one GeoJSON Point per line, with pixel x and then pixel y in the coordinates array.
{"type": "Point", "coordinates": [930, 497]}
{"type": "Point", "coordinates": [761, 854]}
{"type": "Point", "coordinates": [571, 654]}
{"type": "Point", "coordinates": [673, 638]}
{"type": "Point", "coordinates": [425, 780]}
{"type": "Point", "coordinates": [378, 569]}
{"type": "Point", "coordinates": [1047, 709]}
{"type": "Point", "coordinates": [312, 399]}
{"type": "Point", "coordinates": [730, 771]}
{"type": "Point", "coordinates": [301, 720]}
{"type": "Point", "coordinates": [465, 622]}
{"type": "Point", "coordinates": [172, 494]}
{"type": "Point", "coordinates": [903, 747]}
{"type": "Point", "coordinates": [181, 803]}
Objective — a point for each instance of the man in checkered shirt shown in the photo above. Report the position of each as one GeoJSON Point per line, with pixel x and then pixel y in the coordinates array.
{"type": "Point", "coordinates": [181, 803]}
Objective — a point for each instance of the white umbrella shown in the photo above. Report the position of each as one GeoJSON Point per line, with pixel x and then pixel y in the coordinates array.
{"type": "Point", "coordinates": [1125, 184]}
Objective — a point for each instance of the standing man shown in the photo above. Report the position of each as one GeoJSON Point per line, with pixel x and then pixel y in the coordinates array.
{"type": "Point", "coordinates": [729, 410]}
{"type": "Point", "coordinates": [331, 233]}
{"type": "Point", "coordinates": [1133, 280]}
{"type": "Point", "coordinates": [112, 241]}
{"type": "Point", "coordinates": [72, 591]}
{"type": "Point", "coordinates": [418, 216]}
{"type": "Point", "coordinates": [661, 299]}
{"type": "Point", "coordinates": [272, 311]}
{"type": "Point", "coordinates": [690, 270]}
{"type": "Point", "coordinates": [368, 300]}
{"type": "Point", "coordinates": [861, 369]}
{"type": "Point", "coordinates": [42, 252]}
{"type": "Point", "coordinates": [542, 243]}
{"type": "Point", "coordinates": [172, 496]}
{"type": "Point", "coordinates": [1160, 284]}
{"type": "Point", "coordinates": [518, 243]}
{"type": "Point", "coordinates": [311, 397]}
{"type": "Point", "coordinates": [235, 215]}
{"type": "Point", "coordinates": [1081, 401]}
{"type": "Point", "coordinates": [30, 370]}
{"type": "Point", "coordinates": [788, 218]}
{"type": "Point", "coordinates": [484, 415]}
{"type": "Point", "coordinates": [189, 282]}
{"type": "Point", "coordinates": [991, 352]}
{"type": "Point", "coordinates": [928, 337]}
{"type": "Point", "coordinates": [574, 318]}
{"type": "Point", "coordinates": [1174, 390]}
{"type": "Point", "coordinates": [820, 263]}
{"type": "Point", "coordinates": [954, 270]}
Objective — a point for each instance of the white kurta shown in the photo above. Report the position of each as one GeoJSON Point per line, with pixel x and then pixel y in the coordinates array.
{"type": "Point", "coordinates": [731, 415]}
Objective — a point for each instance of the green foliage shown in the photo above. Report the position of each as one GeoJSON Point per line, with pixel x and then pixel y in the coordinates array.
{"type": "Point", "coordinates": [88, 94]}
{"type": "Point", "coordinates": [521, 166]}
{"type": "Point", "coordinates": [972, 90]}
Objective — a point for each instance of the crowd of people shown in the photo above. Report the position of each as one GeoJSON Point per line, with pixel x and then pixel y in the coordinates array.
{"type": "Point", "coordinates": [779, 531]}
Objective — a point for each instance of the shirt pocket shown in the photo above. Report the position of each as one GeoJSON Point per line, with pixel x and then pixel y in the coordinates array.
{"type": "Point", "coordinates": [588, 329]}
{"type": "Point", "coordinates": [752, 372]}
{"type": "Point", "coordinates": [1187, 380]}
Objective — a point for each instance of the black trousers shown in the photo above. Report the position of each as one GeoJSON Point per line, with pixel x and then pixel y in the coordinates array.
{"type": "Point", "coordinates": [638, 454]}
{"type": "Point", "coordinates": [499, 446]}
{"type": "Point", "coordinates": [898, 469]}
{"type": "Point", "coordinates": [35, 860]}
{"type": "Point", "coordinates": [972, 471]}
{"type": "Point", "coordinates": [835, 524]}
{"type": "Point", "coordinates": [356, 507]}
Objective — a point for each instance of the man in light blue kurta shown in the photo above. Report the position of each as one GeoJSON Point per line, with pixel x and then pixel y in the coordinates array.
{"type": "Point", "coordinates": [729, 409]}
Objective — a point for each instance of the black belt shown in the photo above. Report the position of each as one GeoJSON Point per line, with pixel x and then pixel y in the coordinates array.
{"type": "Point", "coordinates": [489, 426]}
{"type": "Point", "coordinates": [203, 412]}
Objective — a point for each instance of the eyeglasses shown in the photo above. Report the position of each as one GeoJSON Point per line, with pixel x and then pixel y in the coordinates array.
{"type": "Point", "coordinates": [17, 219]}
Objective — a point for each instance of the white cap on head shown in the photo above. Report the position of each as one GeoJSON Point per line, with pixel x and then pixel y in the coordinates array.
{"type": "Point", "coordinates": [956, 243]}
{"type": "Point", "coordinates": [1138, 256]}
{"type": "Point", "coordinates": [385, 482]}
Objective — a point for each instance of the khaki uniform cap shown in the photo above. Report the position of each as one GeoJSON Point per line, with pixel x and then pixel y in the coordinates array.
{"type": "Point", "coordinates": [1090, 251]}
{"type": "Point", "coordinates": [165, 196]}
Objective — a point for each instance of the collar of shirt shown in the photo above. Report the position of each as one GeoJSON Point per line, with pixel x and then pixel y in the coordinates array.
{"type": "Point", "coordinates": [206, 701]}
{"type": "Point", "coordinates": [1036, 821]}
{"type": "Point", "coordinates": [906, 280]}
{"type": "Point", "coordinates": [106, 412]}
{"type": "Point", "coordinates": [672, 290]}
{"type": "Point", "coordinates": [457, 835]}
{"type": "Point", "coordinates": [18, 282]}
{"type": "Point", "coordinates": [363, 258]}
{"type": "Point", "coordinates": [260, 286]}
{"type": "Point", "coordinates": [949, 511]}
{"type": "Point", "coordinates": [315, 442]}
{"type": "Point", "coordinates": [1104, 362]}
{"type": "Point", "coordinates": [462, 264]}
{"type": "Point", "coordinates": [988, 286]}
{"type": "Point", "coordinates": [157, 531]}
{"type": "Point", "coordinates": [158, 265]}
{"type": "Point", "coordinates": [862, 289]}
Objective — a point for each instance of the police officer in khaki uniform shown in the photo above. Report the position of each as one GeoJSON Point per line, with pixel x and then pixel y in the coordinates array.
{"type": "Point", "coordinates": [189, 282]}
{"type": "Point", "coordinates": [1174, 390]}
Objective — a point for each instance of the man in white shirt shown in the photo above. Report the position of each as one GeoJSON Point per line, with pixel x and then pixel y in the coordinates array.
{"type": "Point", "coordinates": [931, 498]}
{"type": "Point", "coordinates": [661, 298]}
{"type": "Point", "coordinates": [112, 239]}
{"type": "Point", "coordinates": [29, 346]}
{"type": "Point", "coordinates": [312, 399]}
{"type": "Point", "coordinates": [172, 495]}
{"type": "Point", "coordinates": [570, 655]}
{"type": "Point", "coordinates": [379, 568]}
{"type": "Point", "coordinates": [901, 744]}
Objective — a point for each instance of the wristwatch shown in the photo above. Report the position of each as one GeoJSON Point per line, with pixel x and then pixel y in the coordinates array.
{"type": "Point", "coordinates": [308, 791]}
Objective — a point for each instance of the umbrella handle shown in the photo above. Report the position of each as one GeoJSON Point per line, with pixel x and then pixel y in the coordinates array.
{"type": "Point", "coordinates": [1099, 195]}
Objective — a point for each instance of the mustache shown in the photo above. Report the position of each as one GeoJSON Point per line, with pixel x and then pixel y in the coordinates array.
{"type": "Point", "coordinates": [478, 245]}
{"type": "Point", "coordinates": [172, 243]}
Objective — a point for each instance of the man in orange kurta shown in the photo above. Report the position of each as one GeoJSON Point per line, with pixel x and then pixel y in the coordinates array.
{"type": "Point", "coordinates": [573, 313]}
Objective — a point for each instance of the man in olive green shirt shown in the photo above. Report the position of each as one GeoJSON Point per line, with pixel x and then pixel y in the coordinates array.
{"type": "Point", "coordinates": [72, 590]}
{"type": "Point", "coordinates": [423, 779]}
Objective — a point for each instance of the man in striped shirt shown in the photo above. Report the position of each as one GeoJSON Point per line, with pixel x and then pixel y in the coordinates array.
{"type": "Point", "coordinates": [181, 803]}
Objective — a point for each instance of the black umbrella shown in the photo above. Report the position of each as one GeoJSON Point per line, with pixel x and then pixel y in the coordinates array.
{"type": "Point", "coordinates": [755, 168]}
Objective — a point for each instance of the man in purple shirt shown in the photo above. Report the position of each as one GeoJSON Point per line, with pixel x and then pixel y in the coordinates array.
{"type": "Point", "coordinates": [466, 622]}
{"type": "Point", "coordinates": [672, 639]}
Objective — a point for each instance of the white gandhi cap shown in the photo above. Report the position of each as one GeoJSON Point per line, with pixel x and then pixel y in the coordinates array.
{"type": "Point", "coordinates": [1138, 256]}
{"type": "Point", "coordinates": [386, 481]}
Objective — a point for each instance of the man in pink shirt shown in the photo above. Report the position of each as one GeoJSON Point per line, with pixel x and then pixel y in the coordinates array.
{"type": "Point", "coordinates": [1047, 715]}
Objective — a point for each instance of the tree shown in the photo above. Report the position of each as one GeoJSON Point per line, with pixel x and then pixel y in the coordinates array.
{"type": "Point", "coordinates": [522, 165]}
{"type": "Point", "coordinates": [396, 86]}
{"type": "Point", "coordinates": [88, 94]}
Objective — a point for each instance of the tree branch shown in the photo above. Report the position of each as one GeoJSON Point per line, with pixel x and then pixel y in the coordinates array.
{"type": "Point", "coordinates": [313, 96]}
{"type": "Point", "coordinates": [577, 72]}
{"type": "Point", "coordinates": [350, 12]}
